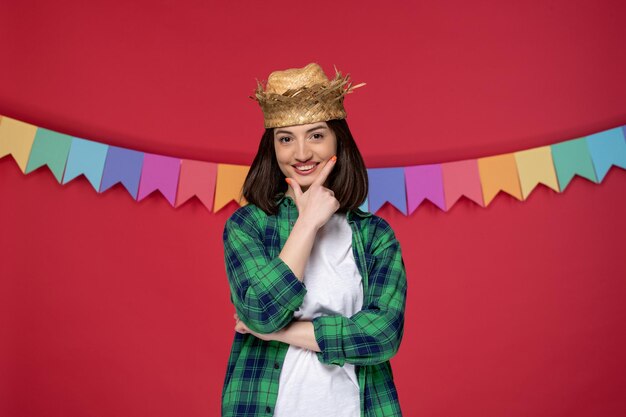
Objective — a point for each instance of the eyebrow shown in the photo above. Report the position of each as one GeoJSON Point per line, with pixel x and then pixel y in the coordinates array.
{"type": "Point", "coordinates": [308, 131]}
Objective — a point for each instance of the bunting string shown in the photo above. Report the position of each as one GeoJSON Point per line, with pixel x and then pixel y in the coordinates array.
{"type": "Point", "coordinates": [216, 184]}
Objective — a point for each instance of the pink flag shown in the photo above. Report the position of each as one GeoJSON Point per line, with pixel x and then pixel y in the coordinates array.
{"type": "Point", "coordinates": [197, 178]}
{"type": "Point", "coordinates": [461, 178]}
{"type": "Point", "coordinates": [424, 182]}
{"type": "Point", "coordinates": [159, 173]}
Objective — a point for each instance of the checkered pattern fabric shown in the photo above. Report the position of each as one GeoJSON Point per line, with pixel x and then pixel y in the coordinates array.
{"type": "Point", "coordinates": [266, 293]}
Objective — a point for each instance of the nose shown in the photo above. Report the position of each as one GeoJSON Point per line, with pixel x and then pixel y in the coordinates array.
{"type": "Point", "coordinates": [303, 152]}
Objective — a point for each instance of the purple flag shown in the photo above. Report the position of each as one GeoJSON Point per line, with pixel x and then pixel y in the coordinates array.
{"type": "Point", "coordinates": [159, 173]}
{"type": "Point", "coordinates": [424, 182]}
{"type": "Point", "coordinates": [122, 165]}
{"type": "Point", "coordinates": [386, 184]}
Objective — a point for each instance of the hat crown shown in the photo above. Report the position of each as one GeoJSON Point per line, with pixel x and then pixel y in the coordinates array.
{"type": "Point", "coordinates": [297, 96]}
{"type": "Point", "coordinates": [279, 82]}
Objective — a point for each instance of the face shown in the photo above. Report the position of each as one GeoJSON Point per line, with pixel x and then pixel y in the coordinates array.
{"type": "Point", "coordinates": [305, 146]}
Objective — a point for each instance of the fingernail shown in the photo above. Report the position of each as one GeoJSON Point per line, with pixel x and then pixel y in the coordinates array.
{"type": "Point", "coordinates": [287, 179]}
{"type": "Point", "coordinates": [334, 158]}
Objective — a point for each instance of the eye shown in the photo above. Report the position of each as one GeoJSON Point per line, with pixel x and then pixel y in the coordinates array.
{"type": "Point", "coordinates": [319, 135]}
{"type": "Point", "coordinates": [284, 137]}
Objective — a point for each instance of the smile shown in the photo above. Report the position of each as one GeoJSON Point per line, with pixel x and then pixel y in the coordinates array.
{"type": "Point", "coordinates": [306, 169]}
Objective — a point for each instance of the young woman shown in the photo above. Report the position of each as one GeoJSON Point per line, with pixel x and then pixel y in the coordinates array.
{"type": "Point", "coordinates": [318, 285]}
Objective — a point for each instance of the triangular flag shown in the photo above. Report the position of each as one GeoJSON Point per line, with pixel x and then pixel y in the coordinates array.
{"type": "Point", "coordinates": [606, 149]}
{"type": "Point", "coordinates": [424, 182]}
{"type": "Point", "coordinates": [386, 184]}
{"type": "Point", "coordinates": [49, 148]}
{"type": "Point", "coordinates": [229, 184]}
{"type": "Point", "coordinates": [535, 166]}
{"type": "Point", "coordinates": [461, 178]}
{"type": "Point", "coordinates": [122, 165]}
{"type": "Point", "coordinates": [499, 173]}
{"type": "Point", "coordinates": [88, 158]}
{"type": "Point", "coordinates": [572, 158]}
{"type": "Point", "coordinates": [197, 178]}
{"type": "Point", "coordinates": [159, 172]}
{"type": "Point", "coordinates": [16, 139]}
{"type": "Point", "coordinates": [364, 206]}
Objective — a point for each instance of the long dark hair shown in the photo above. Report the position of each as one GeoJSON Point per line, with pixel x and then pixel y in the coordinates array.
{"type": "Point", "coordinates": [348, 179]}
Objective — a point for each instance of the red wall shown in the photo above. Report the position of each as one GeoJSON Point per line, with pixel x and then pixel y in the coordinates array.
{"type": "Point", "coordinates": [113, 307]}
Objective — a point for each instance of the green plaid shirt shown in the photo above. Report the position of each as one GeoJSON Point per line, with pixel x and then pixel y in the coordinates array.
{"type": "Point", "coordinates": [266, 293]}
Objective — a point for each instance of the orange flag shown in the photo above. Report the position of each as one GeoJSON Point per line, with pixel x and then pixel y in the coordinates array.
{"type": "Point", "coordinates": [499, 173]}
{"type": "Point", "coordinates": [230, 179]}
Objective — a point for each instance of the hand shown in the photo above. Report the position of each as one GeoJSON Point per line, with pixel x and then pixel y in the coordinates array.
{"type": "Point", "coordinates": [318, 203]}
{"type": "Point", "coordinates": [240, 327]}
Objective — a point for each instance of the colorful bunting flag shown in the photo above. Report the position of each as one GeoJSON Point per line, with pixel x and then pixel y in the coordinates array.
{"type": "Point", "coordinates": [572, 158]}
{"type": "Point", "coordinates": [499, 173]}
{"type": "Point", "coordinates": [364, 206]}
{"type": "Point", "coordinates": [424, 182]}
{"type": "Point", "coordinates": [607, 148]}
{"type": "Point", "coordinates": [461, 178]}
{"type": "Point", "coordinates": [159, 173]}
{"type": "Point", "coordinates": [535, 166]}
{"type": "Point", "coordinates": [49, 148]}
{"type": "Point", "coordinates": [230, 179]}
{"type": "Point", "coordinates": [122, 165]}
{"type": "Point", "coordinates": [197, 178]}
{"type": "Point", "coordinates": [86, 157]}
{"type": "Point", "coordinates": [16, 139]}
{"type": "Point", "coordinates": [216, 184]}
{"type": "Point", "coordinates": [386, 185]}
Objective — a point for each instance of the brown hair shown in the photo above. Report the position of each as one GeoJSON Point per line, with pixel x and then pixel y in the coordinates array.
{"type": "Point", "coordinates": [348, 179]}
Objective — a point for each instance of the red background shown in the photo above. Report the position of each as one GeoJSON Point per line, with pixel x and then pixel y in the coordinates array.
{"type": "Point", "coordinates": [110, 306]}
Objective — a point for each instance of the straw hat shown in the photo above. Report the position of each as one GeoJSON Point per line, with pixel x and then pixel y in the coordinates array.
{"type": "Point", "coordinates": [298, 96]}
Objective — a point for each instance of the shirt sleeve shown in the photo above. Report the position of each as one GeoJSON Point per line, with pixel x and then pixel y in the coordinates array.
{"type": "Point", "coordinates": [264, 290]}
{"type": "Point", "coordinates": [374, 333]}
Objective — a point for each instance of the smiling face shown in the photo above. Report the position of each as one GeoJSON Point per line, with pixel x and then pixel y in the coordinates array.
{"type": "Point", "coordinates": [304, 147]}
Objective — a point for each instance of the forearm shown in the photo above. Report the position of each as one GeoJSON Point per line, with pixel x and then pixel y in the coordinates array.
{"type": "Point", "coordinates": [263, 288]}
{"type": "Point", "coordinates": [299, 333]}
{"type": "Point", "coordinates": [297, 248]}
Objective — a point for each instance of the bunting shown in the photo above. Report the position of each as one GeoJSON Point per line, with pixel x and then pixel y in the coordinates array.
{"type": "Point", "coordinates": [86, 157]}
{"type": "Point", "coordinates": [405, 188]}
{"type": "Point", "coordinates": [424, 182]}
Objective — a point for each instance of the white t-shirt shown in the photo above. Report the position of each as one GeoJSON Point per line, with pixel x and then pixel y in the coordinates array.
{"type": "Point", "coordinates": [334, 285]}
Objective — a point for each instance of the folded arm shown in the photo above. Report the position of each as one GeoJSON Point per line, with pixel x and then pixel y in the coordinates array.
{"type": "Point", "coordinates": [264, 290]}
{"type": "Point", "coordinates": [374, 333]}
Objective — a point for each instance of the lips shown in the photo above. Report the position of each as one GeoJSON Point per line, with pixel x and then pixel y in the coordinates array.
{"type": "Point", "coordinates": [312, 169]}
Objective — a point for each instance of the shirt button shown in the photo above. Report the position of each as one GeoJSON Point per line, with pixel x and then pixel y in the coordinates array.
{"type": "Point", "coordinates": [268, 409]}
{"type": "Point", "coordinates": [292, 223]}
{"type": "Point", "coordinates": [276, 365]}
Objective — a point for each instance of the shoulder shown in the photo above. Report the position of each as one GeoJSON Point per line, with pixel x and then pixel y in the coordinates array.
{"type": "Point", "coordinates": [249, 217]}
{"type": "Point", "coordinates": [376, 232]}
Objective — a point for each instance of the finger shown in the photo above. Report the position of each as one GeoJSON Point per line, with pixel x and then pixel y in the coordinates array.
{"type": "Point", "coordinates": [297, 191]}
{"type": "Point", "coordinates": [328, 167]}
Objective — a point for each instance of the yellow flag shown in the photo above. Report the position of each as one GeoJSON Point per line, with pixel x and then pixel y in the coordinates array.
{"type": "Point", "coordinates": [536, 166]}
{"type": "Point", "coordinates": [16, 138]}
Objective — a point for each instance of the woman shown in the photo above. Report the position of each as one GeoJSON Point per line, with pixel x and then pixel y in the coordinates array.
{"type": "Point", "coordinates": [318, 285]}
